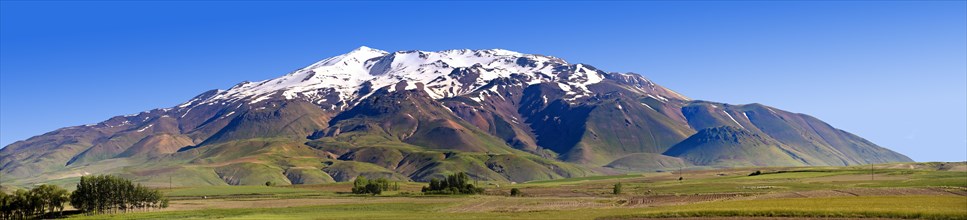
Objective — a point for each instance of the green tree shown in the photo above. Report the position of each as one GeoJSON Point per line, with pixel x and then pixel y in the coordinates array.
{"type": "Point", "coordinates": [434, 184]}
{"type": "Point", "coordinates": [617, 188]}
{"type": "Point", "coordinates": [458, 183]}
{"type": "Point", "coordinates": [5, 208]}
{"type": "Point", "coordinates": [50, 198]}
{"type": "Point", "coordinates": [29, 204]}
{"type": "Point", "coordinates": [359, 185]}
{"type": "Point", "coordinates": [24, 204]}
{"type": "Point", "coordinates": [374, 187]}
{"type": "Point", "coordinates": [111, 194]}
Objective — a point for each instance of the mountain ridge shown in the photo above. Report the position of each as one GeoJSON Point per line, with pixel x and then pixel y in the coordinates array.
{"type": "Point", "coordinates": [497, 114]}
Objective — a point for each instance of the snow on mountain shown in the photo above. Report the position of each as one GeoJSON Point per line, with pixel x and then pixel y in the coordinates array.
{"type": "Point", "coordinates": [344, 77]}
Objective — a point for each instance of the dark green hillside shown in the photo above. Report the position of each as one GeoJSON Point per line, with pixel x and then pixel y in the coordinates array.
{"type": "Point", "coordinates": [812, 141]}
{"type": "Point", "coordinates": [620, 125]}
{"type": "Point", "coordinates": [294, 120]}
{"type": "Point", "coordinates": [648, 162]}
{"type": "Point", "coordinates": [157, 145]}
{"type": "Point", "coordinates": [731, 146]}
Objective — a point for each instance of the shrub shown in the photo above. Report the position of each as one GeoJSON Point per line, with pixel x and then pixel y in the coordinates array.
{"type": "Point", "coordinates": [617, 189]}
{"type": "Point", "coordinates": [373, 189]}
{"type": "Point", "coordinates": [514, 192]}
{"type": "Point", "coordinates": [756, 173]}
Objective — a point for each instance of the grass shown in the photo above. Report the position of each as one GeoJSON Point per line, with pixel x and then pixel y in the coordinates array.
{"type": "Point", "coordinates": [924, 178]}
{"type": "Point", "coordinates": [919, 207]}
{"type": "Point", "coordinates": [798, 179]}
{"type": "Point", "coordinates": [797, 175]}
{"type": "Point", "coordinates": [233, 190]}
{"type": "Point", "coordinates": [590, 198]}
{"type": "Point", "coordinates": [582, 179]}
{"type": "Point", "coordinates": [356, 211]}
{"type": "Point", "coordinates": [924, 207]}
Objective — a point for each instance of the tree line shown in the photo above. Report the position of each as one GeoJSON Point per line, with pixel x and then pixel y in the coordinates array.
{"type": "Point", "coordinates": [110, 194]}
{"type": "Point", "coordinates": [39, 201]}
{"type": "Point", "coordinates": [458, 183]}
{"type": "Point", "coordinates": [94, 195]}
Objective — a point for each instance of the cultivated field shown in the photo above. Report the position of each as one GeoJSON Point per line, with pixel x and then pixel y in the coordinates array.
{"type": "Point", "coordinates": [913, 191]}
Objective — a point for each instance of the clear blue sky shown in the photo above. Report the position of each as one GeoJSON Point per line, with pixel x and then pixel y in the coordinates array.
{"type": "Point", "coordinates": [892, 72]}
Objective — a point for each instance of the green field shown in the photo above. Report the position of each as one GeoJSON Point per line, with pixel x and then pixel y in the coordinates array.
{"type": "Point", "coordinates": [810, 192]}
{"type": "Point", "coordinates": [930, 207]}
{"type": "Point", "coordinates": [235, 190]}
{"type": "Point", "coordinates": [919, 207]}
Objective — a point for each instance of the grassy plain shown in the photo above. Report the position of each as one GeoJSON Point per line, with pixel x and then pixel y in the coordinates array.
{"type": "Point", "coordinates": [910, 191]}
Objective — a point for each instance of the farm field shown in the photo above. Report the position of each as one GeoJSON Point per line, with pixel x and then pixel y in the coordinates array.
{"type": "Point", "coordinates": [889, 191]}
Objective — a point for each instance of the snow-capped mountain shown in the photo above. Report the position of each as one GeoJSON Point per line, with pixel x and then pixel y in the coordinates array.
{"type": "Point", "coordinates": [341, 80]}
{"type": "Point", "coordinates": [414, 115]}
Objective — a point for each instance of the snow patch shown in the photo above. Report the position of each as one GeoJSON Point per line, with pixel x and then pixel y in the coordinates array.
{"type": "Point", "coordinates": [733, 119]}
{"type": "Point", "coordinates": [259, 99]}
{"type": "Point", "coordinates": [186, 113]}
{"type": "Point", "coordinates": [145, 128]}
{"type": "Point", "coordinates": [658, 97]}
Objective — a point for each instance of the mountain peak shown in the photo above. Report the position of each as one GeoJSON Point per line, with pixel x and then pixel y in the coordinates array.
{"type": "Point", "coordinates": [365, 49]}
{"type": "Point", "coordinates": [338, 80]}
{"type": "Point", "coordinates": [357, 55]}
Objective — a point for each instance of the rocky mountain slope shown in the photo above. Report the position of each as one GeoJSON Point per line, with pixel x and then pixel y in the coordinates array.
{"type": "Point", "coordinates": [414, 115]}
